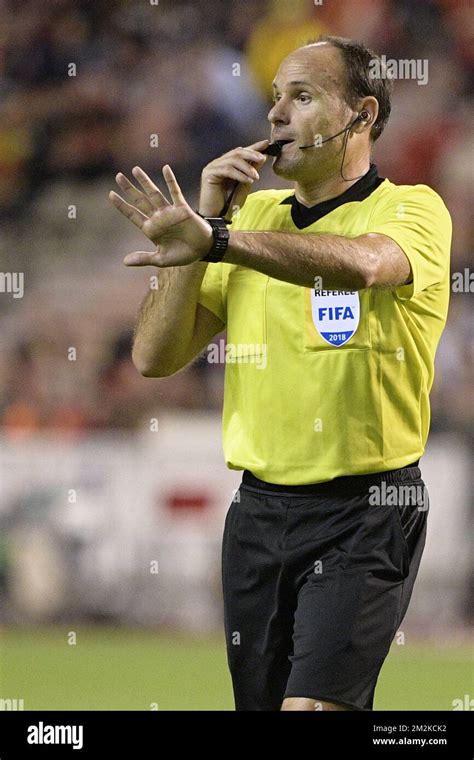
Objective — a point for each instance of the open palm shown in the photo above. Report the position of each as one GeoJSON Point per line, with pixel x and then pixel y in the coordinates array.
{"type": "Point", "coordinates": [181, 236]}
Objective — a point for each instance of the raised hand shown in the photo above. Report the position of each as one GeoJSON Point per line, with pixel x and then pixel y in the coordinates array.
{"type": "Point", "coordinates": [181, 236]}
{"type": "Point", "coordinates": [220, 175]}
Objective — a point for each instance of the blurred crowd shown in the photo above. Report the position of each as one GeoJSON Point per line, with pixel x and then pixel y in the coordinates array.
{"type": "Point", "coordinates": [90, 88]}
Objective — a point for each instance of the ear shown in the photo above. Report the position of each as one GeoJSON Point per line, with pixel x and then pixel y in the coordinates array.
{"type": "Point", "coordinates": [369, 110]}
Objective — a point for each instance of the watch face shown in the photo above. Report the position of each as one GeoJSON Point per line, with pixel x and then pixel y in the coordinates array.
{"type": "Point", "coordinates": [221, 238]}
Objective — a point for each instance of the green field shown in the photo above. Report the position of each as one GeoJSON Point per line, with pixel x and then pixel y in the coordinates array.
{"type": "Point", "coordinates": [120, 669]}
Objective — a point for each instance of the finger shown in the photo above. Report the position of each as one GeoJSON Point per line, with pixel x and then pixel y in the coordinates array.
{"type": "Point", "coordinates": [245, 167]}
{"type": "Point", "coordinates": [175, 191]}
{"type": "Point", "coordinates": [255, 148]}
{"type": "Point", "coordinates": [252, 155]}
{"type": "Point", "coordinates": [228, 173]}
{"type": "Point", "coordinates": [132, 213]}
{"type": "Point", "coordinates": [134, 195]}
{"type": "Point", "coordinates": [151, 190]}
{"type": "Point", "coordinates": [239, 176]}
{"type": "Point", "coordinates": [236, 164]}
{"type": "Point", "coordinates": [151, 258]}
{"type": "Point", "coordinates": [139, 259]}
{"type": "Point", "coordinates": [259, 145]}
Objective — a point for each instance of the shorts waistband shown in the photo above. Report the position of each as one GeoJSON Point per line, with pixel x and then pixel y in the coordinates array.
{"type": "Point", "coordinates": [343, 485]}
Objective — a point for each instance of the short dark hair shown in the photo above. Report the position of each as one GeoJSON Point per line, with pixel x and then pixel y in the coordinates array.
{"type": "Point", "coordinates": [357, 60]}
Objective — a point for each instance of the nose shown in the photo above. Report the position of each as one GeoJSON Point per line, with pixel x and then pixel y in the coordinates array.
{"type": "Point", "coordinates": [277, 113]}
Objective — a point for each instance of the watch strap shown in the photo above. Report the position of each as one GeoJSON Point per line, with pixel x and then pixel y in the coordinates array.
{"type": "Point", "coordinates": [220, 234]}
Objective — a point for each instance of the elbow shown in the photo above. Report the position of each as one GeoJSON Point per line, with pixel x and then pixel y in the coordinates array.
{"type": "Point", "coordinates": [152, 371]}
{"type": "Point", "coordinates": [146, 371]}
{"type": "Point", "coordinates": [149, 369]}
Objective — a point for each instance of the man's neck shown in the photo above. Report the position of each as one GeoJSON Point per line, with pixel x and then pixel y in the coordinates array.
{"type": "Point", "coordinates": [317, 191]}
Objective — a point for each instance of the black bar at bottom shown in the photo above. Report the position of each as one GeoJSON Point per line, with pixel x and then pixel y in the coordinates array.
{"type": "Point", "coordinates": [140, 735]}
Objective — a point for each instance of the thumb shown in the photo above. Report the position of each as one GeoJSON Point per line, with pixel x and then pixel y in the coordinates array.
{"type": "Point", "coordinates": [139, 259]}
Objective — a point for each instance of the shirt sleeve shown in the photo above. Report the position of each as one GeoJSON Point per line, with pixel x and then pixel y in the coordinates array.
{"type": "Point", "coordinates": [212, 294]}
{"type": "Point", "coordinates": [417, 219]}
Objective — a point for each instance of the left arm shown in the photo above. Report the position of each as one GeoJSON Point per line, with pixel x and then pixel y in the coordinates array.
{"type": "Point", "coordinates": [371, 260]}
{"type": "Point", "coordinates": [183, 237]}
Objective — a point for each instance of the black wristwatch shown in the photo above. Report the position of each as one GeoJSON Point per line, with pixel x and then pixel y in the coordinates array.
{"type": "Point", "coordinates": [220, 234]}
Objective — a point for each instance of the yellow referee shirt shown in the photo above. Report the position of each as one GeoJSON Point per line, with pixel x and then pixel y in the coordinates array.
{"type": "Point", "coordinates": [318, 383]}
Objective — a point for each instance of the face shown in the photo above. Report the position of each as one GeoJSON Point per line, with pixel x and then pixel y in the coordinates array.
{"type": "Point", "coordinates": [308, 101]}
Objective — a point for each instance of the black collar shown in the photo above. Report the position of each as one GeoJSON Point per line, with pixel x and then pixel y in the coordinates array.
{"type": "Point", "coordinates": [303, 216]}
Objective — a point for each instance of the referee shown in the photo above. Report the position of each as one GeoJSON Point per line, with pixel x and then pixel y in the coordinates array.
{"type": "Point", "coordinates": [334, 296]}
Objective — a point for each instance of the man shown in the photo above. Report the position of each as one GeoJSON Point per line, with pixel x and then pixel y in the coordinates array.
{"type": "Point", "coordinates": [343, 286]}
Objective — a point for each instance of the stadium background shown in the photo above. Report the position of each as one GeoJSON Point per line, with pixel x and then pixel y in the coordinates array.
{"type": "Point", "coordinates": [113, 488]}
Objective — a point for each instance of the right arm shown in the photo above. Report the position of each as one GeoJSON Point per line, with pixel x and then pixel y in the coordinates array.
{"type": "Point", "coordinates": [172, 327]}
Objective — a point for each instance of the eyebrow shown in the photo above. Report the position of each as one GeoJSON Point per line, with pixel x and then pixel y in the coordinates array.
{"type": "Point", "coordinates": [295, 82]}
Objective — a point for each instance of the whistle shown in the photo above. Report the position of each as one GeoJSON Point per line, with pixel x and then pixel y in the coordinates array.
{"type": "Point", "coordinates": [274, 149]}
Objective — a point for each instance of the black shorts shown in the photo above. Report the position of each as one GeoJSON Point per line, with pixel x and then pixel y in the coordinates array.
{"type": "Point", "coordinates": [316, 583]}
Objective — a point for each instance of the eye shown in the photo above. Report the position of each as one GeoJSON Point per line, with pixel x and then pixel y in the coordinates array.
{"type": "Point", "coordinates": [304, 98]}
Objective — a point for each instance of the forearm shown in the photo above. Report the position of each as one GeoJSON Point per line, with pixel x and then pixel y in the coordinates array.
{"type": "Point", "coordinates": [340, 262]}
{"type": "Point", "coordinates": [166, 319]}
